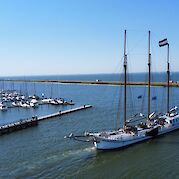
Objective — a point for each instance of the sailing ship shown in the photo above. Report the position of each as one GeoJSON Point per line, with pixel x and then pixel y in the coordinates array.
{"type": "Point", "coordinates": [154, 125]}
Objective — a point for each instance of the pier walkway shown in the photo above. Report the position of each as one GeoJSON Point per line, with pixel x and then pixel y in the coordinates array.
{"type": "Point", "coordinates": [19, 125]}
{"type": "Point", "coordinates": [63, 112]}
{"type": "Point", "coordinates": [23, 124]}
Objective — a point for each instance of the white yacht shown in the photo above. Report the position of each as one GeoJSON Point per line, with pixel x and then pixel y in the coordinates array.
{"type": "Point", "coordinates": [3, 107]}
{"type": "Point", "coordinates": [34, 103]}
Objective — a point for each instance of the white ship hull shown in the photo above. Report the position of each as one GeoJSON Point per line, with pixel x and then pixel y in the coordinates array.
{"type": "Point", "coordinates": [107, 143]}
{"type": "Point", "coordinates": [116, 144]}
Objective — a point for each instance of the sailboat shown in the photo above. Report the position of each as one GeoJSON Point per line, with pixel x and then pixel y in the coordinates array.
{"type": "Point", "coordinates": [3, 107]}
{"type": "Point", "coordinates": [127, 135]}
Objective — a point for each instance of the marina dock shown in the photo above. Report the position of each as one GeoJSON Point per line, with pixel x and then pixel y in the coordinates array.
{"type": "Point", "coordinates": [23, 124]}
{"type": "Point", "coordinates": [19, 125]}
{"type": "Point", "coordinates": [60, 113]}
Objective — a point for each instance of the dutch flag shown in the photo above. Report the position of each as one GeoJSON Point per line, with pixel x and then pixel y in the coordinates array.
{"type": "Point", "coordinates": [163, 42]}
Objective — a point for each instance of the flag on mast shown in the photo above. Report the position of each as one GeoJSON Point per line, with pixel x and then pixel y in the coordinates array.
{"type": "Point", "coordinates": [163, 42]}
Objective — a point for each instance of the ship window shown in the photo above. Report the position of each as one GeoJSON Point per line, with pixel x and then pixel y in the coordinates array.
{"type": "Point", "coordinates": [170, 122]}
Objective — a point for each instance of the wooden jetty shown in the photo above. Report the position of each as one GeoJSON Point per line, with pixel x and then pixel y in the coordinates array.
{"type": "Point", "coordinates": [22, 124]}
{"type": "Point", "coordinates": [64, 112]}
{"type": "Point", "coordinates": [19, 125]}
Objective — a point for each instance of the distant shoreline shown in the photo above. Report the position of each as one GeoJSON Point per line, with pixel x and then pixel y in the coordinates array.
{"type": "Point", "coordinates": [164, 84]}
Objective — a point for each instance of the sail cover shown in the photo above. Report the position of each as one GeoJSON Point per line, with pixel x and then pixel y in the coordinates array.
{"type": "Point", "coordinates": [163, 42]}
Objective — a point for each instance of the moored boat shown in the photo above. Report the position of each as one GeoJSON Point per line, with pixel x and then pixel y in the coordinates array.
{"type": "Point", "coordinates": [3, 107]}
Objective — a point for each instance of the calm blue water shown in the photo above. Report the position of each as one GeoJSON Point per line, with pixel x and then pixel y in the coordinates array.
{"type": "Point", "coordinates": [158, 76]}
{"type": "Point", "coordinates": [42, 152]}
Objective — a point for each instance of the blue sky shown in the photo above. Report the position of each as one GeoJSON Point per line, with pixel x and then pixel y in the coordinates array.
{"type": "Point", "coordinates": [43, 37]}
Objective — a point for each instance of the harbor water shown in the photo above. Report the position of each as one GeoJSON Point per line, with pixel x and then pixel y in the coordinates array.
{"type": "Point", "coordinates": [43, 152]}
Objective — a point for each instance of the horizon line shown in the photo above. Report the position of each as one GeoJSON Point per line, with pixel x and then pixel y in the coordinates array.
{"type": "Point", "coordinates": [79, 74]}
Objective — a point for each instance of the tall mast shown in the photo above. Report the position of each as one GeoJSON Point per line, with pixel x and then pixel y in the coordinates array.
{"type": "Point", "coordinates": [162, 43]}
{"type": "Point", "coordinates": [168, 79]}
{"type": "Point", "coordinates": [149, 68]}
{"type": "Point", "coordinates": [125, 79]}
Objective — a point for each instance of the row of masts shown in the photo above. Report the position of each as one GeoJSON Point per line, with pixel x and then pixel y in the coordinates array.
{"type": "Point", "coordinates": [149, 78]}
